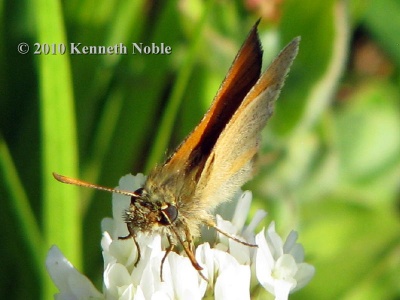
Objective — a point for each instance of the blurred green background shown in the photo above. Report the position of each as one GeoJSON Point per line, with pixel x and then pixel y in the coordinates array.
{"type": "Point", "coordinates": [330, 160]}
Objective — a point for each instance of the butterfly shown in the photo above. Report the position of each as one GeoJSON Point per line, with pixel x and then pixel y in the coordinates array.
{"type": "Point", "coordinates": [214, 161]}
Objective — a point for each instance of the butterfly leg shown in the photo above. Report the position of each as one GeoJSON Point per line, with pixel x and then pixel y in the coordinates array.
{"type": "Point", "coordinates": [188, 249]}
{"type": "Point", "coordinates": [171, 247]}
{"type": "Point", "coordinates": [132, 235]}
{"type": "Point", "coordinates": [211, 223]}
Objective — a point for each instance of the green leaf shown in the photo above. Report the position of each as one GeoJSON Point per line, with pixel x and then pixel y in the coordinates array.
{"type": "Point", "coordinates": [166, 125]}
{"type": "Point", "coordinates": [21, 208]}
{"type": "Point", "coordinates": [61, 211]}
{"type": "Point", "coordinates": [311, 83]}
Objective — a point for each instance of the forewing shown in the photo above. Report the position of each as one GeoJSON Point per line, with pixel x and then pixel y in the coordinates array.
{"type": "Point", "coordinates": [186, 164]}
{"type": "Point", "coordinates": [229, 165]}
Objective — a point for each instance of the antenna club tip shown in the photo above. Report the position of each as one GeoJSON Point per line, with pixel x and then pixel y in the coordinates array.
{"type": "Point", "coordinates": [57, 176]}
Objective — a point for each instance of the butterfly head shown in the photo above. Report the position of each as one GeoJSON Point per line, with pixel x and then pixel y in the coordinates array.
{"type": "Point", "coordinates": [148, 213]}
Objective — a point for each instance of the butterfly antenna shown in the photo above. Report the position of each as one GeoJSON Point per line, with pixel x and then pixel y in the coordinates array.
{"type": "Point", "coordinates": [69, 180]}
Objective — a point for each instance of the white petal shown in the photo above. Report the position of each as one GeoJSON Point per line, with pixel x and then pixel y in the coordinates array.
{"type": "Point", "coordinates": [127, 293]}
{"type": "Point", "coordinates": [227, 227]}
{"type": "Point", "coordinates": [205, 256]}
{"type": "Point", "coordinates": [120, 203]}
{"type": "Point", "coordinates": [107, 224]}
{"type": "Point", "coordinates": [149, 280]}
{"type": "Point", "coordinates": [233, 283]}
{"type": "Point", "coordinates": [274, 241]}
{"type": "Point", "coordinates": [139, 294]}
{"type": "Point", "coordinates": [150, 262]}
{"type": "Point", "coordinates": [131, 182]}
{"type": "Point", "coordinates": [223, 260]}
{"type": "Point", "coordinates": [116, 280]}
{"type": "Point", "coordinates": [124, 251]}
{"type": "Point", "coordinates": [70, 283]}
{"type": "Point", "coordinates": [304, 274]}
{"type": "Point", "coordinates": [185, 279]}
{"type": "Point", "coordinates": [264, 263]}
{"type": "Point", "coordinates": [297, 252]}
{"type": "Point", "coordinates": [106, 240]}
{"type": "Point", "coordinates": [240, 251]}
{"type": "Point", "coordinates": [264, 256]}
{"type": "Point", "coordinates": [160, 295]}
{"type": "Point", "coordinates": [270, 273]}
{"type": "Point", "coordinates": [242, 210]}
{"type": "Point", "coordinates": [257, 218]}
{"type": "Point", "coordinates": [285, 268]}
{"type": "Point", "coordinates": [282, 289]}
{"type": "Point", "coordinates": [290, 241]}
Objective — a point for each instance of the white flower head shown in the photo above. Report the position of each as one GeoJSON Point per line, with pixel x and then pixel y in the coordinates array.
{"type": "Point", "coordinates": [279, 266]}
{"type": "Point", "coordinates": [227, 264]}
{"type": "Point", "coordinates": [123, 279]}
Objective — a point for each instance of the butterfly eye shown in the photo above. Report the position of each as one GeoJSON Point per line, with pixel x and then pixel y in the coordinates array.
{"type": "Point", "coordinates": [139, 192]}
{"type": "Point", "coordinates": [169, 215]}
